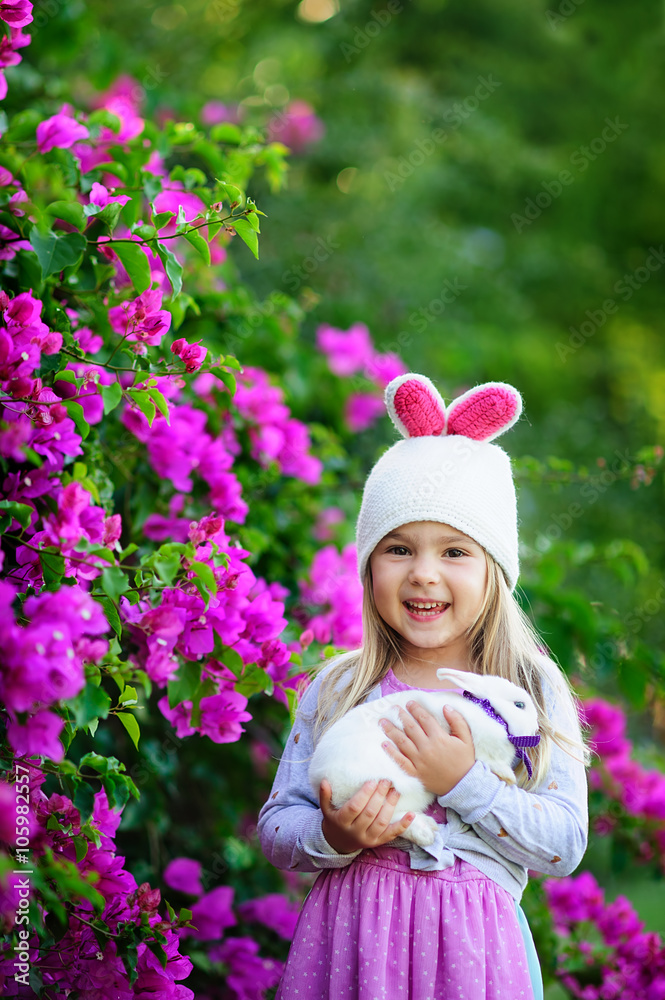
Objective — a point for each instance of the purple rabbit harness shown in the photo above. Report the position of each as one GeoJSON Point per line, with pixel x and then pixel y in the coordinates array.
{"type": "Point", "coordinates": [519, 742]}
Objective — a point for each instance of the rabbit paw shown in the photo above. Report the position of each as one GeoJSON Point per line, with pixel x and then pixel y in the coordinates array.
{"type": "Point", "coordinates": [422, 831]}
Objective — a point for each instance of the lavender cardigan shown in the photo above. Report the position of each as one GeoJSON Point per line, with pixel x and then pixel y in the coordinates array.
{"type": "Point", "coordinates": [501, 829]}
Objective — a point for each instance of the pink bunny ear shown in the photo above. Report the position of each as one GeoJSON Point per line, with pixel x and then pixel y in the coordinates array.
{"type": "Point", "coordinates": [415, 406]}
{"type": "Point", "coordinates": [485, 412]}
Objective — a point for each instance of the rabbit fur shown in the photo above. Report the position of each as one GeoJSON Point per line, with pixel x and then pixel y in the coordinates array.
{"type": "Point", "coordinates": [350, 752]}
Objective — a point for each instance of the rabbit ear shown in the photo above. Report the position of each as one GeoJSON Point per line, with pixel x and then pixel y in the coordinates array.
{"type": "Point", "coordinates": [415, 406]}
{"type": "Point", "coordinates": [485, 412]}
{"type": "Point", "coordinates": [458, 677]}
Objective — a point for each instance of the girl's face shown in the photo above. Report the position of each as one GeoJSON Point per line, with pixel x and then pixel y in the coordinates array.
{"type": "Point", "coordinates": [429, 584]}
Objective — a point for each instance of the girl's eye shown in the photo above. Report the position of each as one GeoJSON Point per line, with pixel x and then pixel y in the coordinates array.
{"type": "Point", "coordinates": [455, 553]}
{"type": "Point", "coordinates": [397, 549]}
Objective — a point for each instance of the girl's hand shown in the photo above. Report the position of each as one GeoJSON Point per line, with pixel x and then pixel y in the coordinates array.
{"type": "Point", "coordinates": [364, 820]}
{"type": "Point", "coordinates": [437, 758]}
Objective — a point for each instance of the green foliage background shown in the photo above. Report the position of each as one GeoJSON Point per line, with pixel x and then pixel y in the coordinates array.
{"type": "Point", "coordinates": [557, 78]}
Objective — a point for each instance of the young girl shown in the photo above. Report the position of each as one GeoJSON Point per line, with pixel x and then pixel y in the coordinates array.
{"type": "Point", "coordinates": [438, 558]}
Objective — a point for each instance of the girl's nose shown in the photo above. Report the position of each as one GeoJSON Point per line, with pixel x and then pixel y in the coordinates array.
{"type": "Point", "coordinates": [424, 569]}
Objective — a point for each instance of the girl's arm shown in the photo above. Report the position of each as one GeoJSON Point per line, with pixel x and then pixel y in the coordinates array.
{"type": "Point", "coordinates": [546, 829]}
{"type": "Point", "coordinates": [289, 826]}
{"type": "Point", "coordinates": [291, 823]}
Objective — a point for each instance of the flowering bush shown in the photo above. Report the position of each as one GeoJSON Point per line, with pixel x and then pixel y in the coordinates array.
{"type": "Point", "coordinates": [606, 953]}
{"type": "Point", "coordinates": [123, 449]}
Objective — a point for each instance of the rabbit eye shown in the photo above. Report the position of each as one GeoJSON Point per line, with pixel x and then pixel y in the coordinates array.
{"type": "Point", "coordinates": [520, 704]}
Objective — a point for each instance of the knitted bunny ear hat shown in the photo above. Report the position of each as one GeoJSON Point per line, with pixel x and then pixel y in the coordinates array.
{"type": "Point", "coordinates": [445, 469]}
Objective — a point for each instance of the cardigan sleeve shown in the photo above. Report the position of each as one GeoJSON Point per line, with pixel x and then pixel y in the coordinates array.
{"type": "Point", "coordinates": [545, 829]}
{"type": "Point", "coordinates": [289, 825]}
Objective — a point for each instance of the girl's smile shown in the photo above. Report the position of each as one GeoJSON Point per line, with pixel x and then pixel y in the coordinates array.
{"type": "Point", "coordinates": [429, 583]}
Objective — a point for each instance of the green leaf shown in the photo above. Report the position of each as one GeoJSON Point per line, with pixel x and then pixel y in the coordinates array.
{"type": "Point", "coordinates": [195, 239]}
{"type": "Point", "coordinates": [75, 411]}
{"type": "Point", "coordinates": [158, 952]}
{"type": "Point", "coordinates": [231, 193]}
{"type": "Point", "coordinates": [160, 219]}
{"type": "Point", "coordinates": [111, 395]}
{"type": "Point", "coordinates": [247, 235]}
{"type": "Point", "coordinates": [128, 695]}
{"type": "Point", "coordinates": [135, 263]}
{"type": "Point", "coordinates": [131, 725]}
{"type": "Point", "coordinates": [103, 117]}
{"type": "Point", "coordinates": [84, 800]}
{"type": "Point", "coordinates": [253, 220]}
{"type": "Point", "coordinates": [205, 573]}
{"type": "Point", "coordinates": [111, 613]}
{"type": "Point", "coordinates": [254, 680]}
{"type": "Point", "coordinates": [183, 687]}
{"type": "Point", "coordinates": [145, 231]}
{"type": "Point", "coordinates": [161, 403]}
{"type": "Point", "coordinates": [114, 582]}
{"type": "Point", "coordinates": [172, 266]}
{"type": "Point", "coordinates": [292, 699]}
{"type": "Point", "coordinates": [228, 378]}
{"type": "Point", "coordinates": [229, 361]}
{"type": "Point", "coordinates": [226, 132]}
{"type": "Point", "coordinates": [21, 511]}
{"type": "Point", "coordinates": [110, 214]}
{"type": "Point", "coordinates": [144, 401]}
{"type": "Point", "coordinates": [69, 211]}
{"type": "Point", "coordinates": [92, 703]}
{"type": "Point", "coordinates": [57, 252]}
{"type": "Point", "coordinates": [53, 567]}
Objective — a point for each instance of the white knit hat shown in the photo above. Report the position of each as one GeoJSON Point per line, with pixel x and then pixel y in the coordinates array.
{"type": "Point", "coordinates": [445, 470]}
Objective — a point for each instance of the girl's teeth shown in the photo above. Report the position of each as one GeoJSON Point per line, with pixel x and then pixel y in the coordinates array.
{"type": "Point", "coordinates": [425, 609]}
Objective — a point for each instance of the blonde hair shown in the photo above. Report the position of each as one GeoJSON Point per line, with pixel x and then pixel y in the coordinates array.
{"type": "Point", "coordinates": [502, 641]}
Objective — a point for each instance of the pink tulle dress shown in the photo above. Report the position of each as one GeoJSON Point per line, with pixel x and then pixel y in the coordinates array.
{"type": "Point", "coordinates": [380, 930]}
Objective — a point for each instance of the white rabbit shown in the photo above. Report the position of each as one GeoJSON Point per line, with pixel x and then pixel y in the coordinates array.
{"type": "Point", "coordinates": [350, 752]}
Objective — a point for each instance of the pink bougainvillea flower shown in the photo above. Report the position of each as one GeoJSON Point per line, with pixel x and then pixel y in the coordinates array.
{"type": "Point", "coordinates": [184, 874]}
{"type": "Point", "coordinates": [221, 715]}
{"type": "Point", "coordinates": [336, 594]}
{"type": "Point", "coordinates": [383, 368]}
{"type": "Point", "coordinates": [214, 113]}
{"type": "Point", "coordinates": [11, 243]}
{"type": "Point", "coordinates": [297, 126]}
{"type": "Point", "coordinates": [249, 974]}
{"type": "Point", "coordinates": [348, 351]}
{"type": "Point", "coordinates": [141, 319]}
{"type": "Point", "coordinates": [212, 914]}
{"type": "Point", "coordinates": [274, 911]}
{"type": "Point", "coordinates": [172, 200]}
{"type": "Point", "coordinates": [362, 409]}
{"type": "Point", "coordinates": [101, 196]}
{"type": "Point", "coordinates": [39, 735]}
{"type": "Point", "coordinates": [17, 13]}
{"type": "Point", "coordinates": [59, 132]}
{"type": "Point", "coordinates": [193, 355]}
{"type": "Point", "coordinates": [323, 529]}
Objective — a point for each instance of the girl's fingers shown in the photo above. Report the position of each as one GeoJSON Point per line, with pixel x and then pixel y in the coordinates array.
{"type": "Point", "coordinates": [424, 719]}
{"type": "Point", "coordinates": [400, 759]}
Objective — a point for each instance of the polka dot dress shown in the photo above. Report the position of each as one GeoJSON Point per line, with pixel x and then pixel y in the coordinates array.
{"type": "Point", "coordinates": [379, 930]}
